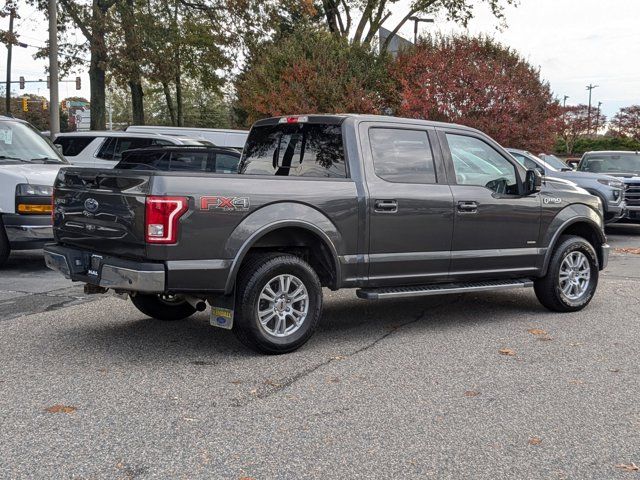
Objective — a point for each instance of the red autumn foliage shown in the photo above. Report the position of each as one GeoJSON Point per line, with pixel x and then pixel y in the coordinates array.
{"type": "Point", "coordinates": [477, 82]}
{"type": "Point", "coordinates": [626, 123]}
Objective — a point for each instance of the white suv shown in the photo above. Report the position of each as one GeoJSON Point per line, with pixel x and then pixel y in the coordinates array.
{"type": "Point", "coordinates": [104, 149]}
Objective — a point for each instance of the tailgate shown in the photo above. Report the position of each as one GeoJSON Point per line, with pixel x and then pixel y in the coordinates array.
{"type": "Point", "coordinates": [103, 211]}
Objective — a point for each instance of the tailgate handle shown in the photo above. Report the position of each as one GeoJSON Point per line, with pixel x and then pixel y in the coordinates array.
{"type": "Point", "coordinates": [386, 206]}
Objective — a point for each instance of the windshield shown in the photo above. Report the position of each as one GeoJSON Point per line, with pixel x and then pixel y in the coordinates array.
{"type": "Point", "coordinates": [556, 163]}
{"type": "Point", "coordinates": [19, 142]}
{"type": "Point", "coordinates": [611, 163]}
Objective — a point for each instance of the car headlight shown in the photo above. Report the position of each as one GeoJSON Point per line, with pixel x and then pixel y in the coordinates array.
{"type": "Point", "coordinates": [611, 183]}
{"type": "Point", "coordinates": [28, 190]}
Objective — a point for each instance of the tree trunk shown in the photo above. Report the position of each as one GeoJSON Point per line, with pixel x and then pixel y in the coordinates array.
{"type": "Point", "coordinates": [167, 97]}
{"type": "Point", "coordinates": [97, 88]}
{"type": "Point", "coordinates": [97, 66]}
{"type": "Point", "coordinates": [179, 100]}
{"type": "Point", "coordinates": [134, 54]}
{"type": "Point", "coordinates": [137, 102]}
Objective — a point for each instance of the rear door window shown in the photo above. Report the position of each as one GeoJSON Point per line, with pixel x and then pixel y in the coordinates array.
{"type": "Point", "coordinates": [295, 150]}
{"type": "Point", "coordinates": [402, 156]}
{"type": "Point", "coordinates": [72, 146]}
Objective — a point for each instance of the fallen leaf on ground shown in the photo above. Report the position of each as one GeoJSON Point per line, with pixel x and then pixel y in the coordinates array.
{"type": "Point", "coordinates": [254, 391]}
{"type": "Point", "coordinates": [536, 331]}
{"type": "Point", "coordinates": [272, 383]}
{"type": "Point", "coordinates": [338, 357]}
{"type": "Point", "coordinates": [535, 441]}
{"type": "Point", "coordinates": [614, 370]}
{"type": "Point", "coordinates": [507, 351]}
{"type": "Point", "coordinates": [576, 382]}
{"type": "Point", "coordinates": [60, 409]}
{"type": "Point", "coordinates": [634, 251]}
{"type": "Point", "coordinates": [471, 393]}
{"type": "Point", "coordinates": [632, 467]}
{"type": "Point", "coordinates": [236, 382]}
{"type": "Point", "coordinates": [546, 338]}
{"type": "Point", "coordinates": [334, 380]}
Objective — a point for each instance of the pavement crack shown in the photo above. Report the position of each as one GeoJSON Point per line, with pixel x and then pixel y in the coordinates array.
{"type": "Point", "coordinates": [274, 387]}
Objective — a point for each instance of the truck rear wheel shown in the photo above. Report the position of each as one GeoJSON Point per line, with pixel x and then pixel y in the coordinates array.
{"type": "Point", "coordinates": [279, 303]}
{"type": "Point", "coordinates": [163, 307]}
{"type": "Point", "coordinates": [5, 250]}
{"type": "Point", "coordinates": [572, 276]}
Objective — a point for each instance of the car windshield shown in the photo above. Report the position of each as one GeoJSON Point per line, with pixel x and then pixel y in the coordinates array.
{"type": "Point", "coordinates": [611, 163]}
{"type": "Point", "coordinates": [19, 142]}
{"type": "Point", "coordinates": [556, 163]}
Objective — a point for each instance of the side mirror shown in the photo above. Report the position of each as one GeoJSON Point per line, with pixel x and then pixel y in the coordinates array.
{"type": "Point", "coordinates": [532, 182]}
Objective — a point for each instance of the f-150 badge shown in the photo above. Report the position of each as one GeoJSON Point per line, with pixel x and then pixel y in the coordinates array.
{"type": "Point", "coordinates": [227, 204]}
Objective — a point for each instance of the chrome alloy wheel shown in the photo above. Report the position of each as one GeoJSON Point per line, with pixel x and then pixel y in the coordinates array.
{"type": "Point", "coordinates": [574, 275]}
{"type": "Point", "coordinates": [283, 305]}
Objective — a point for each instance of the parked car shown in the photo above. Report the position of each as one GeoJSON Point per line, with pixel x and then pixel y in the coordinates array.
{"type": "Point", "coordinates": [609, 190]}
{"type": "Point", "coordinates": [217, 136]}
{"type": "Point", "coordinates": [181, 158]}
{"type": "Point", "coordinates": [29, 164]}
{"type": "Point", "coordinates": [104, 149]}
{"type": "Point", "coordinates": [393, 207]}
{"type": "Point", "coordinates": [553, 160]}
{"type": "Point", "coordinates": [621, 164]}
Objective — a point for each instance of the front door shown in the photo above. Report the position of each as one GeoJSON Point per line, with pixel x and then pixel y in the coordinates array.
{"type": "Point", "coordinates": [410, 204]}
{"type": "Point", "coordinates": [496, 229]}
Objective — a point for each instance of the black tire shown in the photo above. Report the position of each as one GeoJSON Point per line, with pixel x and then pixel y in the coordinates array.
{"type": "Point", "coordinates": [255, 273]}
{"type": "Point", "coordinates": [5, 249]}
{"type": "Point", "coordinates": [155, 306]}
{"type": "Point", "coordinates": [548, 289]}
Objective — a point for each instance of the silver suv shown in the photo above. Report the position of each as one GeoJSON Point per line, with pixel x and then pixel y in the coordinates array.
{"type": "Point", "coordinates": [609, 189]}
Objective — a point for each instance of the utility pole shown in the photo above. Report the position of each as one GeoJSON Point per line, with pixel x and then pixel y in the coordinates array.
{"type": "Point", "coordinates": [54, 103]}
{"type": "Point", "coordinates": [416, 20]}
{"type": "Point", "coordinates": [590, 87]}
{"type": "Point", "coordinates": [12, 15]}
{"type": "Point", "coordinates": [598, 118]}
{"type": "Point", "coordinates": [564, 101]}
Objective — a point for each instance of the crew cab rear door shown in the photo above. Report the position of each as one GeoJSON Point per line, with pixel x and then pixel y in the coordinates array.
{"type": "Point", "coordinates": [496, 228]}
{"type": "Point", "coordinates": [410, 204]}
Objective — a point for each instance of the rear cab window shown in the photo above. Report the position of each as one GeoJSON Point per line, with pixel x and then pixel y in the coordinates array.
{"type": "Point", "coordinates": [295, 150]}
{"type": "Point", "coordinates": [180, 161]}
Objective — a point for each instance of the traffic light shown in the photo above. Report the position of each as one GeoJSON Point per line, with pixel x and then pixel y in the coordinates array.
{"type": "Point", "coordinates": [21, 83]}
{"type": "Point", "coordinates": [25, 104]}
{"type": "Point", "coordinates": [45, 105]}
{"type": "Point", "coordinates": [78, 83]}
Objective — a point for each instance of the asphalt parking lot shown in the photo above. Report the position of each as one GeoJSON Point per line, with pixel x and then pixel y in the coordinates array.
{"type": "Point", "coordinates": [91, 389]}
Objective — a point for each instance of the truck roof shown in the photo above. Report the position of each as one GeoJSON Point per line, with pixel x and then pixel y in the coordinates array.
{"type": "Point", "coordinates": [338, 118]}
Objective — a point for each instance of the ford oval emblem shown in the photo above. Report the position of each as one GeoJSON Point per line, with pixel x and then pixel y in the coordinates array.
{"type": "Point", "coordinates": [91, 205]}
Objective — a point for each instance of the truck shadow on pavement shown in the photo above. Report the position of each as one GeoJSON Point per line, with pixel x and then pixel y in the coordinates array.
{"type": "Point", "coordinates": [348, 324]}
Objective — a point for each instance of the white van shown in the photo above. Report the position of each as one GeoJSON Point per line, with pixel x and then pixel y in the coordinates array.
{"type": "Point", "coordinates": [29, 164]}
{"type": "Point", "coordinates": [218, 136]}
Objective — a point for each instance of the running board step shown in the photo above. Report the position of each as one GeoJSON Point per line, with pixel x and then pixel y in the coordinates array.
{"type": "Point", "coordinates": [440, 289]}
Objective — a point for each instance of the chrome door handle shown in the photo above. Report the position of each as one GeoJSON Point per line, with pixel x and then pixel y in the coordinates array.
{"type": "Point", "coordinates": [468, 207]}
{"type": "Point", "coordinates": [385, 206]}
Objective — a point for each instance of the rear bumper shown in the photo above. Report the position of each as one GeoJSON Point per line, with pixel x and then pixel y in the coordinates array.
{"type": "Point", "coordinates": [105, 271]}
{"type": "Point", "coordinates": [26, 232]}
{"type": "Point", "coordinates": [176, 276]}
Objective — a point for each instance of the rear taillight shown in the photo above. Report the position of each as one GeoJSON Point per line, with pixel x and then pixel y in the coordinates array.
{"type": "Point", "coordinates": [162, 216]}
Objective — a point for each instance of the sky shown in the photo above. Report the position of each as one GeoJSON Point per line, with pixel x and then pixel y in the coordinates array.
{"type": "Point", "coordinates": [574, 42]}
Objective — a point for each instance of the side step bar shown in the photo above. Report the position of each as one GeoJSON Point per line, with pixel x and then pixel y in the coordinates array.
{"type": "Point", "coordinates": [440, 289]}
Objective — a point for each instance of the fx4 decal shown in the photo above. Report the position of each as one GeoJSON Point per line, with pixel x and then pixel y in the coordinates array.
{"type": "Point", "coordinates": [227, 204]}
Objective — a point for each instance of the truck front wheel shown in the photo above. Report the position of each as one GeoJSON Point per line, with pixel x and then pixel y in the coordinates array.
{"type": "Point", "coordinates": [163, 307]}
{"type": "Point", "coordinates": [572, 276]}
{"type": "Point", "coordinates": [279, 303]}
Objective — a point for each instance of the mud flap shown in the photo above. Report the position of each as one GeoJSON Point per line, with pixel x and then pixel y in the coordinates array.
{"type": "Point", "coordinates": [222, 311]}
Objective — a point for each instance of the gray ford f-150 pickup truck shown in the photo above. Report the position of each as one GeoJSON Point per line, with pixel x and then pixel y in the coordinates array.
{"type": "Point", "coordinates": [393, 207]}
